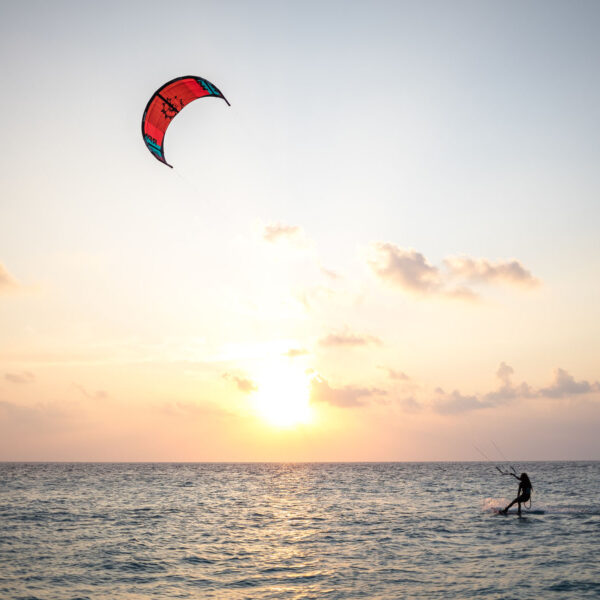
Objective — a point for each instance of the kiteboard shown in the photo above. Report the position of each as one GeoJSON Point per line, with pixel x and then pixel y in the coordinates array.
{"type": "Point", "coordinates": [514, 511]}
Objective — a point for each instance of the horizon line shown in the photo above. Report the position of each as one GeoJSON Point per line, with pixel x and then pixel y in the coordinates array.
{"type": "Point", "coordinates": [287, 462]}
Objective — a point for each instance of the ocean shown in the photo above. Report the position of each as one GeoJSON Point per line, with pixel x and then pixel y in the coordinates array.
{"type": "Point", "coordinates": [316, 530]}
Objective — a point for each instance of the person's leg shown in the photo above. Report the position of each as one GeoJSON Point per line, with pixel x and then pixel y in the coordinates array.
{"type": "Point", "coordinates": [519, 510]}
{"type": "Point", "coordinates": [506, 509]}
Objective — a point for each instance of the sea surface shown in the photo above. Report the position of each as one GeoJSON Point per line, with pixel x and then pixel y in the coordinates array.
{"type": "Point", "coordinates": [346, 530]}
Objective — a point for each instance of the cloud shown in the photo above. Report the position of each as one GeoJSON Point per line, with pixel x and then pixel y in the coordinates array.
{"type": "Point", "coordinates": [410, 405]}
{"type": "Point", "coordinates": [187, 410]}
{"type": "Point", "coordinates": [295, 352]}
{"type": "Point", "coordinates": [346, 397]}
{"type": "Point", "coordinates": [410, 270]}
{"type": "Point", "coordinates": [42, 417]}
{"type": "Point", "coordinates": [7, 281]}
{"type": "Point", "coordinates": [396, 375]}
{"type": "Point", "coordinates": [565, 385]}
{"type": "Point", "coordinates": [481, 270]}
{"type": "Point", "coordinates": [456, 402]}
{"type": "Point", "coordinates": [245, 385]}
{"type": "Point", "coordinates": [507, 391]}
{"type": "Point", "coordinates": [277, 231]}
{"type": "Point", "coordinates": [404, 267]}
{"type": "Point", "coordinates": [311, 297]}
{"type": "Point", "coordinates": [461, 293]}
{"type": "Point", "coordinates": [97, 395]}
{"type": "Point", "coordinates": [20, 378]}
{"type": "Point", "coordinates": [348, 340]}
{"type": "Point", "coordinates": [504, 373]}
{"type": "Point", "coordinates": [330, 274]}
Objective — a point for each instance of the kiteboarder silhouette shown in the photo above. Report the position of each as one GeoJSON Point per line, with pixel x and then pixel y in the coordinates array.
{"type": "Point", "coordinates": [524, 493]}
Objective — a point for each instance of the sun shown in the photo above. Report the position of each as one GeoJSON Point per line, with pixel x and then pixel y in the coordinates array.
{"type": "Point", "coordinates": [283, 395]}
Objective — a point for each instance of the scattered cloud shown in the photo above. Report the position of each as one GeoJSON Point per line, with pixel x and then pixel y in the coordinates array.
{"type": "Point", "coordinates": [41, 416]}
{"type": "Point", "coordinates": [481, 270]}
{"type": "Point", "coordinates": [564, 384]}
{"type": "Point", "coordinates": [504, 373]}
{"type": "Point", "coordinates": [396, 375]}
{"type": "Point", "coordinates": [461, 293]}
{"type": "Point", "coordinates": [330, 274]}
{"type": "Point", "coordinates": [245, 385]}
{"type": "Point", "coordinates": [311, 297]}
{"type": "Point", "coordinates": [345, 397]}
{"type": "Point", "coordinates": [97, 395]}
{"type": "Point", "coordinates": [507, 391]}
{"type": "Point", "coordinates": [455, 402]}
{"type": "Point", "coordinates": [410, 405]}
{"type": "Point", "coordinates": [187, 410]}
{"type": "Point", "coordinates": [348, 340]}
{"type": "Point", "coordinates": [7, 281]}
{"type": "Point", "coordinates": [405, 267]}
{"type": "Point", "coordinates": [276, 231]}
{"type": "Point", "coordinates": [410, 270]}
{"type": "Point", "coordinates": [20, 378]}
{"type": "Point", "coordinates": [295, 352]}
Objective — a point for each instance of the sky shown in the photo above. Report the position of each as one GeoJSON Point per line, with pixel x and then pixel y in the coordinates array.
{"type": "Point", "coordinates": [385, 249]}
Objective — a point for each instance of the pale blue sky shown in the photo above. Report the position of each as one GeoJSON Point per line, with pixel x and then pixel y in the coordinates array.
{"type": "Point", "coordinates": [454, 119]}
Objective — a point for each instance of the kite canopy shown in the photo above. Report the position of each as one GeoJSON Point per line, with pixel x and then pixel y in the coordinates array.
{"type": "Point", "coordinates": [164, 105]}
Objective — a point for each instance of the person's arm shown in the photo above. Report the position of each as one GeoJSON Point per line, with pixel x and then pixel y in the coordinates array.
{"type": "Point", "coordinates": [515, 476]}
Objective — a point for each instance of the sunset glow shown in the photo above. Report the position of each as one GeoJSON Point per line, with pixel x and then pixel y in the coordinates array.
{"type": "Point", "coordinates": [383, 246]}
{"type": "Point", "coordinates": [282, 398]}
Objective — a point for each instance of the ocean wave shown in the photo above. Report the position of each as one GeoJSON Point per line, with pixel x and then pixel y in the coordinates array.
{"type": "Point", "coordinates": [302, 531]}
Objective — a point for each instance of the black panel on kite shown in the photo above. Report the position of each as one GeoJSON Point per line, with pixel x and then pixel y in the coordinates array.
{"type": "Point", "coordinates": [164, 105]}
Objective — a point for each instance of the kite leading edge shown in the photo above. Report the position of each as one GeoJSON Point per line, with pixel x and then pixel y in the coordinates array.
{"type": "Point", "coordinates": [164, 105]}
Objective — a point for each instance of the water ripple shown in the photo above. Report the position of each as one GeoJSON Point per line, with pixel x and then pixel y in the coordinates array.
{"type": "Point", "coordinates": [299, 531]}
